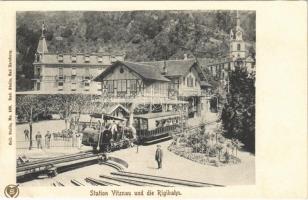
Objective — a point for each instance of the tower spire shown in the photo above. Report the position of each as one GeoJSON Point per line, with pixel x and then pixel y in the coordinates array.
{"type": "Point", "coordinates": [43, 29]}
{"type": "Point", "coordinates": [238, 22]}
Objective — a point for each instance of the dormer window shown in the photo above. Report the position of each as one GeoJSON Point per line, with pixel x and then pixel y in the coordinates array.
{"type": "Point", "coordinates": [74, 59]}
{"type": "Point", "coordinates": [60, 58]}
{"type": "Point", "coordinates": [100, 59]}
{"type": "Point", "coordinates": [87, 58]}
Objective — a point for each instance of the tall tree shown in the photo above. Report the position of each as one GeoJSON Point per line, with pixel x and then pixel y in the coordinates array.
{"type": "Point", "coordinates": [30, 107]}
{"type": "Point", "coordinates": [238, 114]}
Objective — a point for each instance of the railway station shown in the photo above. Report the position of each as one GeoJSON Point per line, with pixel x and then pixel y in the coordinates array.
{"type": "Point", "coordinates": [99, 119]}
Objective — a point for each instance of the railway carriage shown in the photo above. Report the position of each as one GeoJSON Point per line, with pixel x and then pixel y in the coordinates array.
{"type": "Point", "coordinates": [155, 127]}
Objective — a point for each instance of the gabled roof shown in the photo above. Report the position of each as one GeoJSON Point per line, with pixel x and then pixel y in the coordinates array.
{"type": "Point", "coordinates": [110, 110]}
{"type": "Point", "coordinates": [147, 72]}
{"type": "Point", "coordinates": [174, 67]}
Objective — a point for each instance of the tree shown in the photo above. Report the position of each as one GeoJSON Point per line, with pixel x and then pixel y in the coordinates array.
{"type": "Point", "coordinates": [238, 114]}
{"type": "Point", "coordinates": [29, 107]}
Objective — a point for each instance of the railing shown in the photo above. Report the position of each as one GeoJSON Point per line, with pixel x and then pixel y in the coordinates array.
{"type": "Point", "coordinates": [45, 144]}
{"type": "Point", "coordinates": [189, 92]}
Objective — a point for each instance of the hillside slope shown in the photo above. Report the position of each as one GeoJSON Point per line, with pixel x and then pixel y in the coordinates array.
{"type": "Point", "coordinates": [142, 35]}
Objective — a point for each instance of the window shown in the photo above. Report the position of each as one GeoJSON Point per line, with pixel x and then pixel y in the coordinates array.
{"type": "Point", "coordinates": [60, 85]}
{"type": "Point", "coordinates": [184, 80]}
{"type": "Point", "coordinates": [99, 86]}
{"type": "Point", "coordinates": [100, 59]}
{"type": "Point", "coordinates": [73, 86]}
{"type": "Point", "coordinates": [74, 73]}
{"type": "Point", "coordinates": [238, 47]}
{"type": "Point", "coordinates": [87, 58]}
{"type": "Point", "coordinates": [121, 70]}
{"type": "Point", "coordinates": [122, 86]}
{"type": "Point", "coordinates": [38, 71]}
{"type": "Point", "coordinates": [60, 73]}
{"type": "Point", "coordinates": [60, 58]}
{"type": "Point", "coordinates": [190, 81]}
{"type": "Point", "coordinates": [87, 85]}
{"type": "Point", "coordinates": [74, 58]}
{"type": "Point", "coordinates": [87, 73]}
{"type": "Point", "coordinates": [133, 85]}
{"type": "Point", "coordinates": [113, 59]}
{"type": "Point", "coordinates": [37, 57]}
{"type": "Point", "coordinates": [108, 85]}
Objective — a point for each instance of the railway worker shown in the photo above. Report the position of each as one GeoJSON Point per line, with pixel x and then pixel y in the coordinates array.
{"type": "Point", "coordinates": [47, 139]}
{"type": "Point", "coordinates": [114, 130]}
{"type": "Point", "coordinates": [26, 132]}
{"type": "Point", "coordinates": [38, 138]}
{"type": "Point", "coordinates": [159, 156]}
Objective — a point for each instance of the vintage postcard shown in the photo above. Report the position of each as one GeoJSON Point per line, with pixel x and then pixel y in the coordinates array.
{"type": "Point", "coordinates": [153, 99]}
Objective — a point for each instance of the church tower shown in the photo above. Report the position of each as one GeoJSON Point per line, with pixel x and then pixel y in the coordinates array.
{"type": "Point", "coordinates": [39, 61]}
{"type": "Point", "coordinates": [237, 44]}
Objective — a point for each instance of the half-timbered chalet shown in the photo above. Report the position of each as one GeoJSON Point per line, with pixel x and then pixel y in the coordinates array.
{"type": "Point", "coordinates": [168, 83]}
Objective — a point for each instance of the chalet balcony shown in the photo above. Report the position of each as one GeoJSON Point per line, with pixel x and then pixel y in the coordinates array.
{"type": "Point", "coordinates": [133, 96]}
{"type": "Point", "coordinates": [190, 92]}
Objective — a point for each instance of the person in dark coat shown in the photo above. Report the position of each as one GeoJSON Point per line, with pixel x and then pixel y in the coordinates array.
{"type": "Point", "coordinates": [38, 139]}
{"type": "Point", "coordinates": [26, 132]}
{"type": "Point", "coordinates": [159, 156]}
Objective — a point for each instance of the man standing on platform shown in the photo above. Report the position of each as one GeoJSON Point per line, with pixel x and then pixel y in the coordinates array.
{"type": "Point", "coordinates": [159, 156]}
{"type": "Point", "coordinates": [47, 139]}
{"type": "Point", "coordinates": [26, 132]}
{"type": "Point", "coordinates": [38, 139]}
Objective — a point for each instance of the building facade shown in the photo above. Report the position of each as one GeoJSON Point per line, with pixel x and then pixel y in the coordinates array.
{"type": "Point", "coordinates": [67, 72]}
{"type": "Point", "coordinates": [159, 86]}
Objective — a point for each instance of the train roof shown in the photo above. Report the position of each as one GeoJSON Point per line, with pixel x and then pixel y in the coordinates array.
{"type": "Point", "coordinates": [106, 117]}
{"type": "Point", "coordinates": [158, 115]}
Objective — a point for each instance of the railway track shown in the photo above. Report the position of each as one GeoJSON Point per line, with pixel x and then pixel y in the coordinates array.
{"type": "Point", "coordinates": [43, 165]}
{"type": "Point", "coordinates": [135, 179]}
{"type": "Point", "coordinates": [161, 179]}
{"type": "Point", "coordinates": [51, 159]}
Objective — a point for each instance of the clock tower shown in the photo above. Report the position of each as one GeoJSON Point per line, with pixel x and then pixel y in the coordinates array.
{"type": "Point", "coordinates": [237, 44]}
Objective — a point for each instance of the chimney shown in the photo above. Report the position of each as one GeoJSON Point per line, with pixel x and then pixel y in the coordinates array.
{"type": "Point", "coordinates": [164, 72]}
{"type": "Point", "coordinates": [185, 56]}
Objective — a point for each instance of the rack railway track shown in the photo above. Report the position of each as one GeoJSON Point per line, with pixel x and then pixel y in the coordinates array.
{"type": "Point", "coordinates": [135, 179]}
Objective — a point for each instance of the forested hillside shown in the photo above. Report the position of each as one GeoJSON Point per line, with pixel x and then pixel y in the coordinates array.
{"type": "Point", "coordinates": [143, 36]}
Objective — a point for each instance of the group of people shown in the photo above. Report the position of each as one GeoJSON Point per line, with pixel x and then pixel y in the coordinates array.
{"type": "Point", "coordinates": [75, 137]}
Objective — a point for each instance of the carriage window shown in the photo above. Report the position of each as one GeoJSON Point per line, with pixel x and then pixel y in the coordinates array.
{"type": "Point", "coordinates": [143, 124]}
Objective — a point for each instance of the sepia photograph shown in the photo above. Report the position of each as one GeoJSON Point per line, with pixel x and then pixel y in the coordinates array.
{"type": "Point", "coordinates": [159, 98]}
